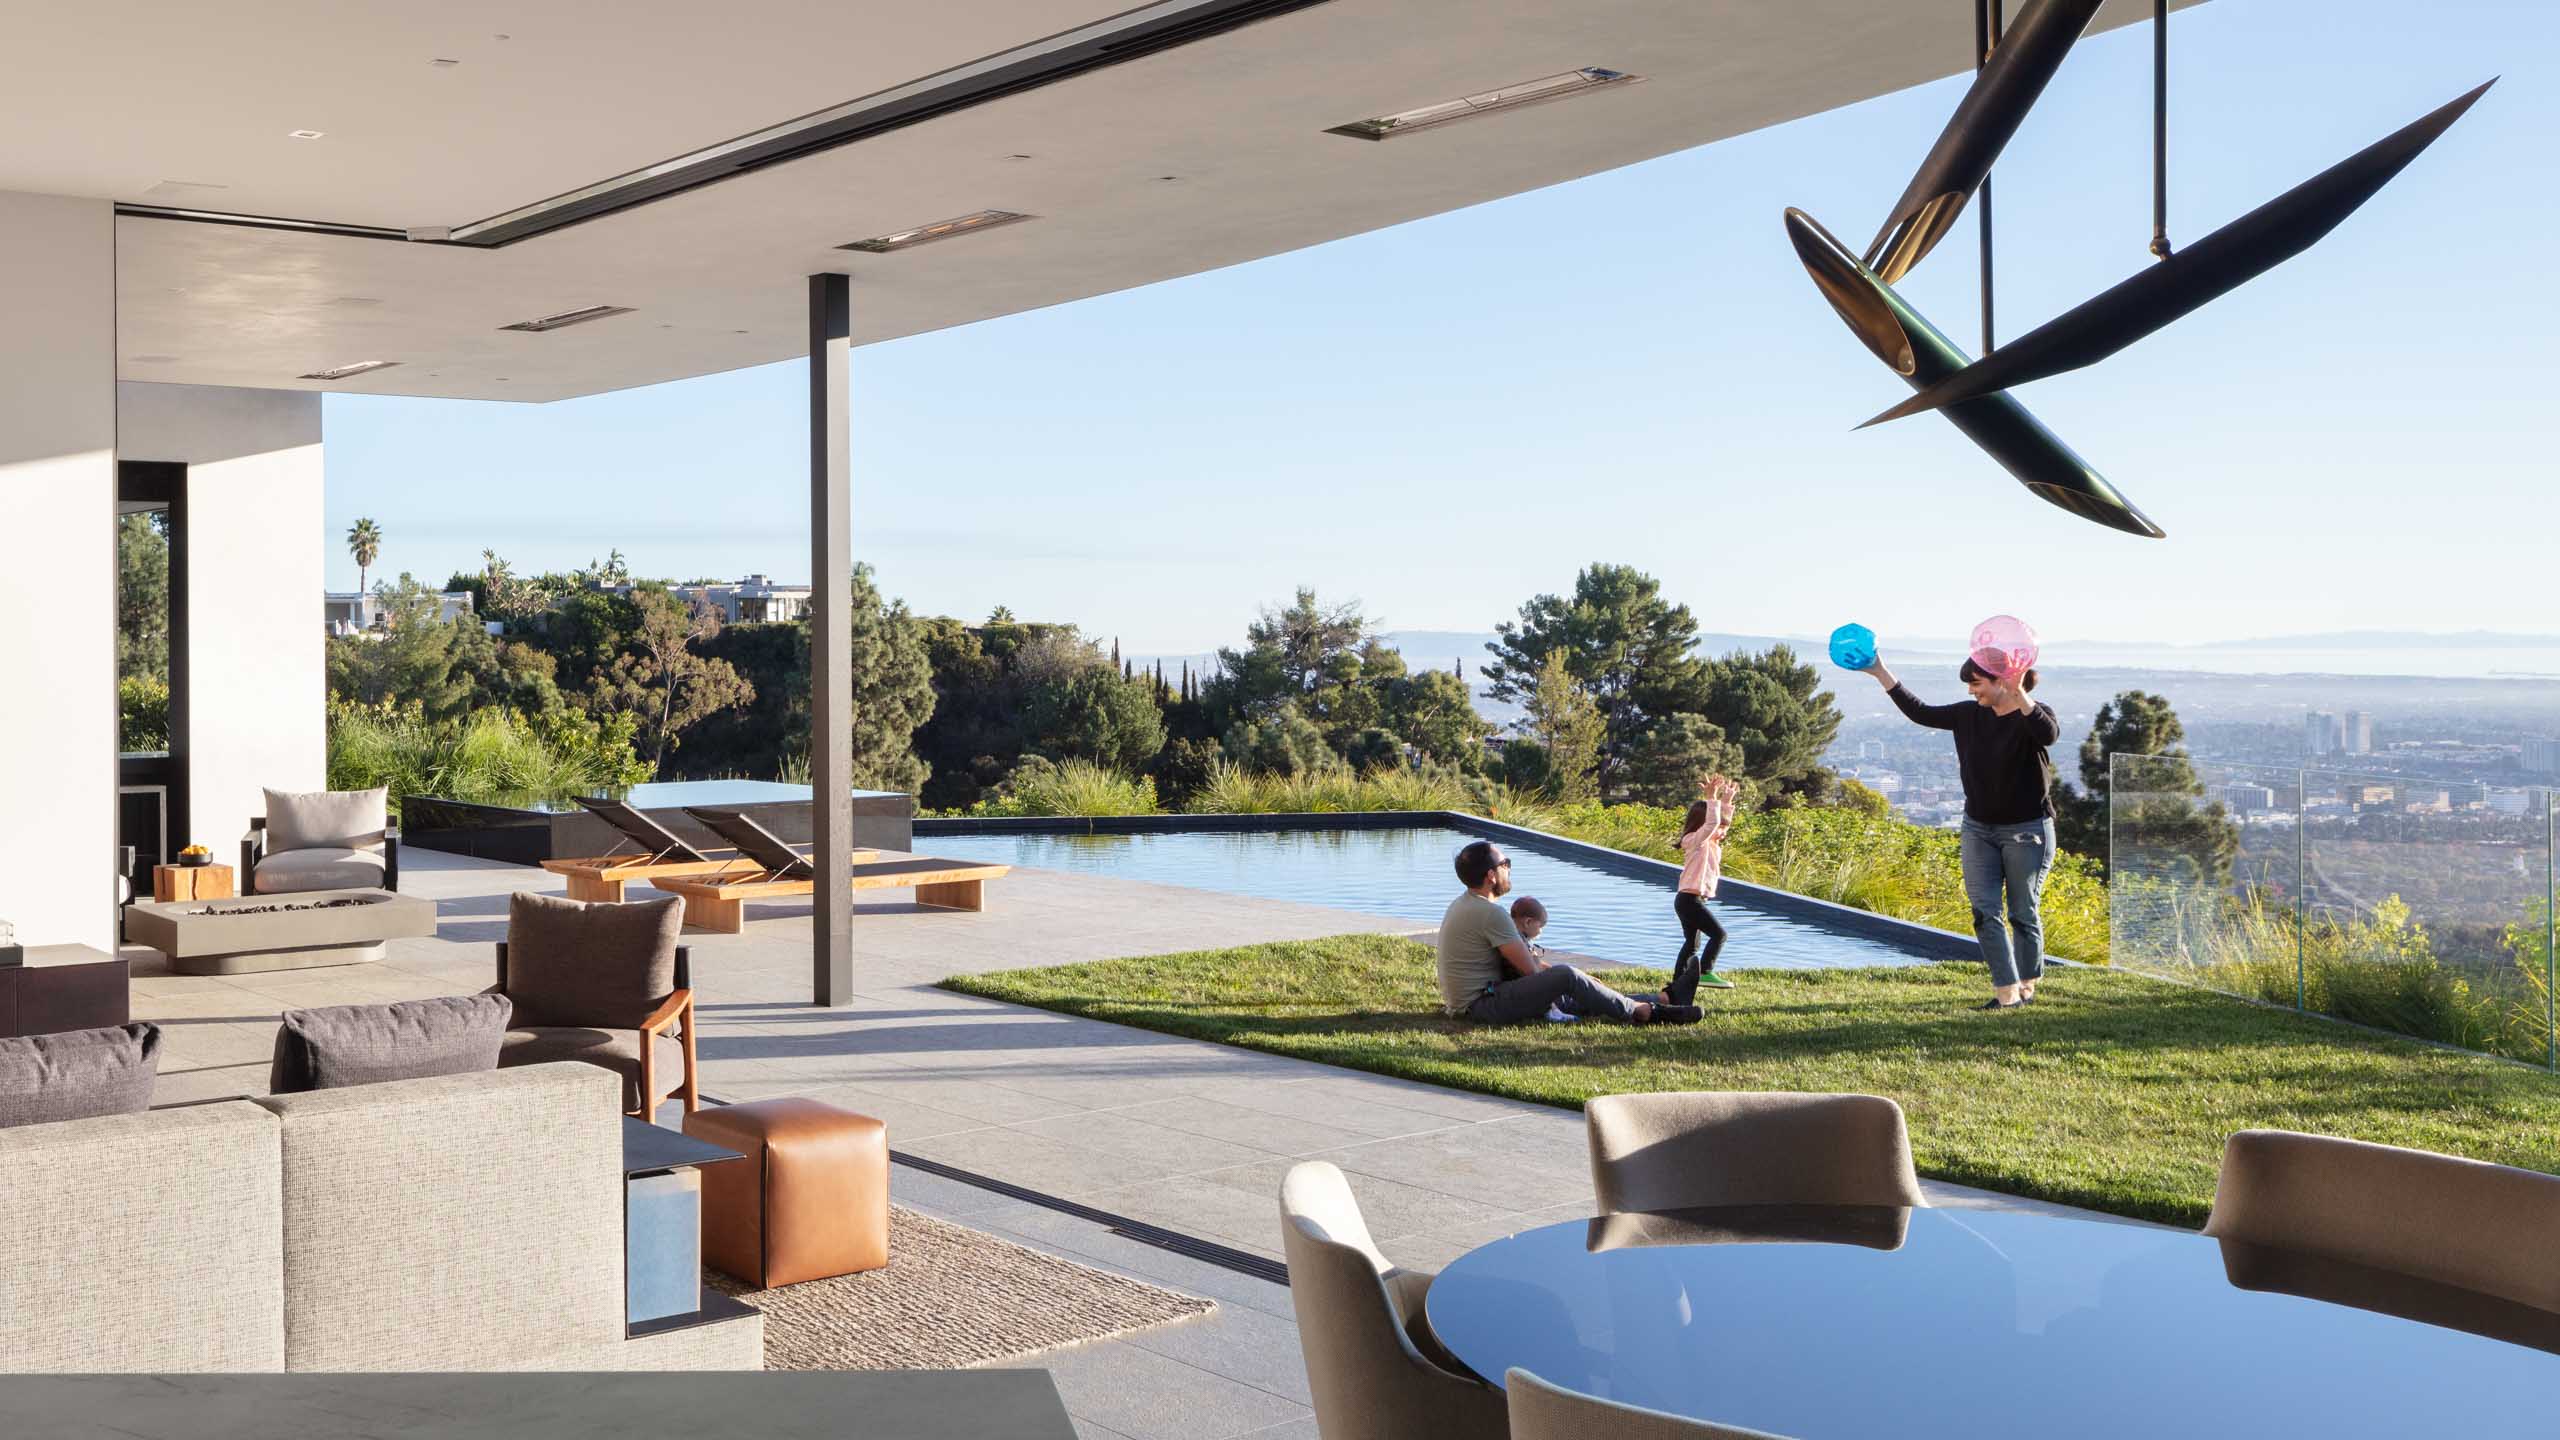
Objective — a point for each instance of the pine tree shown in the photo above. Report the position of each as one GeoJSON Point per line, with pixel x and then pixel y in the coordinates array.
{"type": "Point", "coordinates": [1115, 658]}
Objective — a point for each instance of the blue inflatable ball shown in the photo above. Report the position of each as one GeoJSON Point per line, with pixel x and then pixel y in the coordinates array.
{"type": "Point", "coordinates": [1853, 647]}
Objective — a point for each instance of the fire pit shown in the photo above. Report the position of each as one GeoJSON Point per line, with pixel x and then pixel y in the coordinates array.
{"type": "Point", "coordinates": [269, 932]}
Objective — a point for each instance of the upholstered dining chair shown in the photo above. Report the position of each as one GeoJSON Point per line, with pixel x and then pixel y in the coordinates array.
{"type": "Point", "coordinates": [1359, 1318]}
{"type": "Point", "coordinates": [605, 984]}
{"type": "Point", "coordinates": [2466, 1223]}
{"type": "Point", "coordinates": [1540, 1411]}
{"type": "Point", "coordinates": [321, 840]}
{"type": "Point", "coordinates": [1708, 1147]}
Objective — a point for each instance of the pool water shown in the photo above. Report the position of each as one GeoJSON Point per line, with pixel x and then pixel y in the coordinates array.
{"type": "Point", "coordinates": [1407, 874]}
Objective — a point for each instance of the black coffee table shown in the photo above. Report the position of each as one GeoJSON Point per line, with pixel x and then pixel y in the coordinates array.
{"type": "Point", "coordinates": [1852, 1323]}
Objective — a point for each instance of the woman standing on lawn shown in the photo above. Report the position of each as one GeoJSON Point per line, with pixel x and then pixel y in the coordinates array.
{"type": "Point", "coordinates": [2008, 839]}
{"type": "Point", "coordinates": [1701, 864]}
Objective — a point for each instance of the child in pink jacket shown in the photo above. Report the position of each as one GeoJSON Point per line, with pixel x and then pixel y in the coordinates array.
{"type": "Point", "coordinates": [1701, 865]}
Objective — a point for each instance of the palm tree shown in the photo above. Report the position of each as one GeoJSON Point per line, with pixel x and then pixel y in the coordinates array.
{"type": "Point", "coordinates": [364, 541]}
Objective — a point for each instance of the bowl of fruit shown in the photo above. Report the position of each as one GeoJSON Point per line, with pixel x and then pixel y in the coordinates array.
{"type": "Point", "coordinates": [195, 855]}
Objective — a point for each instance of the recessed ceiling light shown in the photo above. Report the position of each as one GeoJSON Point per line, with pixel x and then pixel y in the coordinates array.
{"type": "Point", "coordinates": [1467, 107]}
{"type": "Point", "coordinates": [151, 359]}
{"type": "Point", "coordinates": [304, 134]}
{"type": "Point", "coordinates": [569, 317]}
{"type": "Point", "coordinates": [938, 230]}
{"type": "Point", "coordinates": [341, 372]}
{"type": "Point", "coordinates": [443, 64]}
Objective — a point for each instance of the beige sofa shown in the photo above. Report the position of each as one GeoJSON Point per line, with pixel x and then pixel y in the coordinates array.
{"type": "Point", "coordinates": [464, 1222]}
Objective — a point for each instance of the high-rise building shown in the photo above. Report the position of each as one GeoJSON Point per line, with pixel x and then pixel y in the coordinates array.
{"type": "Point", "coordinates": [2542, 756]}
{"type": "Point", "coordinates": [2356, 731]}
{"type": "Point", "coordinates": [2322, 734]}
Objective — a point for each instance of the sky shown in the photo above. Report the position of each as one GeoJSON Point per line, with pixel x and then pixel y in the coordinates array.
{"type": "Point", "coordinates": [1443, 419]}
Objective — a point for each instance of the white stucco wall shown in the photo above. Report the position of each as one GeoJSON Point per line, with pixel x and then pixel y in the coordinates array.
{"type": "Point", "coordinates": [57, 569]}
{"type": "Point", "coordinates": [256, 678]}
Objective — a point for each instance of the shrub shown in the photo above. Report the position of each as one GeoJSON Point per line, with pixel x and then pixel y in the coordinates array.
{"type": "Point", "coordinates": [142, 713]}
{"type": "Point", "coordinates": [489, 755]}
{"type": "Point", "coordinates": [1077, 787]}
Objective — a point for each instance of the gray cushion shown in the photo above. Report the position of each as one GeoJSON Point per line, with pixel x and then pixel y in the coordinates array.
{"type": "Point", "coordinates": [615, 1050]}
{"type": "Point", "coordinates": [341, 1045]}
{"type": "Point", "coordinates": [328, 819]}
{"type": "Point", "coordinates": [286, 871]}
{"type": "Point", "coordinates": [76, 1074]}
{"type": "Point", "coordinates": [607, 964]}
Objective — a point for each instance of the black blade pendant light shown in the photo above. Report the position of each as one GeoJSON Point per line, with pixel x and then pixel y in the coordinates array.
{"type": "Point", "coordinates": [2003, 92]}
{"type": "Point", "coordinates": [1912, 348]}
{"type": "Point", "coordinates": [2196, 275]}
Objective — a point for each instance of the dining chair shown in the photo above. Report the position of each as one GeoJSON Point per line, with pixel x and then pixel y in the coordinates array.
{"type": "Point", "coordinates": [2466, 1223]}
{"type": "Point", "coordinates": [1540, 1411]}
{"type": "Point", "coordinates": [1679, 1149]}
{"type": "Point", "coordinates": [1360, 1327]}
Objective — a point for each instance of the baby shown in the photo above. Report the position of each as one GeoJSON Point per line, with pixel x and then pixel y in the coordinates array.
{"type": "Point", "coordinates": [1529, 917]}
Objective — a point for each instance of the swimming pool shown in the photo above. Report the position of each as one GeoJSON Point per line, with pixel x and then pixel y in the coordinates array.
{"type": "Point", "coordinates": [1406, 873]}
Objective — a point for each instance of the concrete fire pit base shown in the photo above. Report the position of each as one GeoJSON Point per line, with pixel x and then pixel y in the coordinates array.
{"type": "Point", "coordinates": [294, 931]}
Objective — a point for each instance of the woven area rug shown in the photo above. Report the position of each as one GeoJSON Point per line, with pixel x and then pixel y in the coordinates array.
{"type": "Point", "coordinates": [951, 1297]}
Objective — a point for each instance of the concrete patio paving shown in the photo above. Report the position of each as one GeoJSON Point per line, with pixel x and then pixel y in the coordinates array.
{"type": "Point", "coordinates": [1186, 1135]}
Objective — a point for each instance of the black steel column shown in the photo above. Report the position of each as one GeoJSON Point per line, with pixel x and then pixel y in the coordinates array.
{"type": "Point", "coordinates": [830, 623]}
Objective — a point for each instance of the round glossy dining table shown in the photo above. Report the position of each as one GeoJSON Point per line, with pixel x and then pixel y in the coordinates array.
{"type": "Point", "coordinates": [1869, 1323]}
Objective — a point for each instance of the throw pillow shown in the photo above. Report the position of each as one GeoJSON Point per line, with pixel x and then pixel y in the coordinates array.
{"type": "Point", "coordinates": [341, 1045]}
{"type": "Point", "coordinates": [75, 1074]}
{"type": "Point", "coordinates": [328, 819]}
{"type": "Point", "coordinates": [606, 964]}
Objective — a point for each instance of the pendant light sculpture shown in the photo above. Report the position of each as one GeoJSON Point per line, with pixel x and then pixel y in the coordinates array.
{"type": "Point", "coordinates": [2195, 276]}
{"type": "Point", "coordinates": [1914, 349]}
{"type": "Point", "coordinates": [1973, 394]}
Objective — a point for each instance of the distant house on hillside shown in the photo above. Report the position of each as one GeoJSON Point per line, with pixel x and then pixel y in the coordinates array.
{"type": "Point", "coordinates": [363, 612]}
{"type": "Point", "coordinates": [754, 600]}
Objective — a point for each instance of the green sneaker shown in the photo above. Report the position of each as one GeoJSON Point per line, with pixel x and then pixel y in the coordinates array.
{"type": "Point", "coordinates": [1713, 981]}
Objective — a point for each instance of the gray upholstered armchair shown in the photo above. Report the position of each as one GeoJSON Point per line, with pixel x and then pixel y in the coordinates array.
{"type": "Point", "coordinates": [604, 984]}
{"type": "Point", "coordinates": [321, 840]}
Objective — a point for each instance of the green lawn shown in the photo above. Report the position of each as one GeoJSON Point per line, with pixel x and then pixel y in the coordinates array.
{"type": "Point", "coordinates": [2111, 1091]}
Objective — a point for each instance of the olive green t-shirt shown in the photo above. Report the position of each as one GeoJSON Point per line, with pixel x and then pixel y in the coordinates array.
{"type": "Point", "coordinates": [1469, 960]}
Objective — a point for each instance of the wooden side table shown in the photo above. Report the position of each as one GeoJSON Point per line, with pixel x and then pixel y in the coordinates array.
{"type": "Point", "coordinates": [190, 882]}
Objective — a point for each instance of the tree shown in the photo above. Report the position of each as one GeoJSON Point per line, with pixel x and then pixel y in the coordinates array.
{"type": "Point", "coordinates": [892, 688]}
{"type": "Point", "coordinates": [1620, 641]}
{"type": "Point", "coordinates": [1673, 755]}
{"type": "Point", "coordinates": [1435, 715]}
{"type": "Point", "coordinates": [1290, 655]}
{"type": "Point", "coordinates": [1569, 727]}
{"type": "Point", "coordinates": [2162, 815]}
{"type": "Point", "coordinates": [364, 541]}
{"type": "Point", "coordinates": [661, 681]}
{"type": "Point", "coordinates": [1776, 714]}
{"type": "Point", "coordinates": [447, 668]}
{"type": "Point", "coordinates": [142, 597]}
{"type": "Point", "coordinates": [1101, 715]}
{"type": "Point", "coordinates": [1283, 742]}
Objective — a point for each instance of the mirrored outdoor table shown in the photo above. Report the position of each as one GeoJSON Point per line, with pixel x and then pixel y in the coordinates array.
{"type": "Point", "coordinates": [1857, 1323]}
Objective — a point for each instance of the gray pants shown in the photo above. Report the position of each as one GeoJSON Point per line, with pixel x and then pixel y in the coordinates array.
{"type": "Point", "coordinates": [2008, 862]}
{"type": "Point", "coordinates": [1528, 997]}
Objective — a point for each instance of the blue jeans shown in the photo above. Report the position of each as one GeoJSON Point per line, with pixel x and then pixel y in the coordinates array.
{"type": "Point", "coordinates": [2009, 860]}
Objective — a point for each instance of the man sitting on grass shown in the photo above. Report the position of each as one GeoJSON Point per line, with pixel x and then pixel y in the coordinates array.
{"type": "Point", "coordinates": [1488, 975]}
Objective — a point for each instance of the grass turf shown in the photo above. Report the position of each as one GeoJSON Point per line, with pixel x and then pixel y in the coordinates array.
{"type": "Point", "coordinates": [2111, 1092]}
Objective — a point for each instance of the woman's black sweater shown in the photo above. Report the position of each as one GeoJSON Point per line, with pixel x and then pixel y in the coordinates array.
{"type": "Point", "coordinates": [2007, 775]}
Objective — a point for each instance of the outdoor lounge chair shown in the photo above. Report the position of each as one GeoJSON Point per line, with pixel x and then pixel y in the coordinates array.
{"type": "Point", "coordinates": [1679, 1149]}
{"type": "Point", "coordinates": [718, 903]}
{"type": "Point", "coordinates": [648, 850]}
{"type": "Point", "coordinates": [603, 985]}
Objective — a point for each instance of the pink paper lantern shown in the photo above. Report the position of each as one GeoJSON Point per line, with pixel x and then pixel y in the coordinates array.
{"type": "Point", "coordinates": [2004, 645]}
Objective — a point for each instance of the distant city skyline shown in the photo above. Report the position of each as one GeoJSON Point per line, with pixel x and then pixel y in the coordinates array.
{"type": "Point", "coordinates": [1443, 419]}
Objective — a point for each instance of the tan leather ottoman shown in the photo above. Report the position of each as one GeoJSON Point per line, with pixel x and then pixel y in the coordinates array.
{"type": "Point", "coordinates": [810, 1200]}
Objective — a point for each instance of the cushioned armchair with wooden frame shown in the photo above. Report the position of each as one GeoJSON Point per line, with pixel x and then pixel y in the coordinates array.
{"type": "Point", "coordinates": [1677, 1149]}
{"type": "Point", "coordinates": [606, 985]}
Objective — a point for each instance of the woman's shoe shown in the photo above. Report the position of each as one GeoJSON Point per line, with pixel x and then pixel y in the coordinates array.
{"type": "Point", "coordinates": [1996, 1003]}
{"type": "Point", "coordinates": [1714, 981]}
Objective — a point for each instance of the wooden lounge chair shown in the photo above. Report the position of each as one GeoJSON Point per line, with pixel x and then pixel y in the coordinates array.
{"type": "Point", "coordinates": [718, 903]}
{"type": "Point", "coordinates": [654, 852]}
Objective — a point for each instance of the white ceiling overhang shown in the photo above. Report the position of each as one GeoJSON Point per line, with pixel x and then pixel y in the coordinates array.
{"type": "Point", "coordinates": [1181, 161]}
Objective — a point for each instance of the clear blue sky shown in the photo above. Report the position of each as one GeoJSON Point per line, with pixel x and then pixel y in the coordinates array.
{"type": "Point", "coordinates": [1445, 418]}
